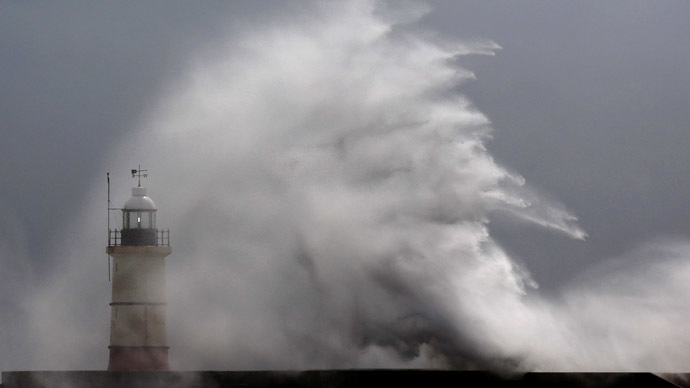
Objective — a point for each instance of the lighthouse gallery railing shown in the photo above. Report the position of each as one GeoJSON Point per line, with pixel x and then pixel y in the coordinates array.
{"type": "Point", "coordinates": [162, 238]}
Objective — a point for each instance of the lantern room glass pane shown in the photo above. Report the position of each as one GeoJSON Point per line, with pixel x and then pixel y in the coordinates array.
{"type": "Point", "coordinates": [145, 220]}
{"type": "Point", "coordinates": [137, 219]}
{"type": "Point", "coordinates": [133, 217]}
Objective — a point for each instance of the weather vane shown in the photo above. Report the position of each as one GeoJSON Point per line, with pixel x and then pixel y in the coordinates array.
{"type": "Point", "coordinates": [138, 173]}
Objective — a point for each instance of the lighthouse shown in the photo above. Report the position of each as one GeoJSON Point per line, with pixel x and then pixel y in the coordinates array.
{"type": "Point", "coordinates": [138, 339]}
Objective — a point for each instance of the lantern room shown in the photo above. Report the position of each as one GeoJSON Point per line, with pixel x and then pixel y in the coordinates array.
{"type": "Point", "coordinates": [139, 219]}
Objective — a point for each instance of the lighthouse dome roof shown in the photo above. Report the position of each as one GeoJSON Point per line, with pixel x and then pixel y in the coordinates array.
{"type": "Point", "coordinates": [139, 200]}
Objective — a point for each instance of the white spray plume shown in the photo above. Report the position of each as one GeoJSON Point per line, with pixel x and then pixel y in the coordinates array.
{"type": "Point", "coordinates": [333, 210]}
{"type": "Point", "coordinates": [328, 194]}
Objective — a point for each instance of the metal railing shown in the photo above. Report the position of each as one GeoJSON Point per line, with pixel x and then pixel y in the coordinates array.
{"type": "Point", "coordinates": [114, 238]}
{"type": "Point", "coordinates": [162, 237]}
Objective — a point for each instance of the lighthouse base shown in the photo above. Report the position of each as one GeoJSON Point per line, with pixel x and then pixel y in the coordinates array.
{"type": "Point", "coordinates": [138, 358]}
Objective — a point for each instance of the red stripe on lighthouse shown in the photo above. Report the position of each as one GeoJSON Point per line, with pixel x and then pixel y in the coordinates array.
{"type": "Point", "coordinates": [129, 358]}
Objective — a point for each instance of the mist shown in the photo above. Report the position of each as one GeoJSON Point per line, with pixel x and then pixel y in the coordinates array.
{"type": "Point", "coordinates": [330, 196]}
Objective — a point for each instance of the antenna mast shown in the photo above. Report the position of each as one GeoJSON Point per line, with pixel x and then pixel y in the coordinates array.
{"type": "Point", "coordinates": [107, 174]}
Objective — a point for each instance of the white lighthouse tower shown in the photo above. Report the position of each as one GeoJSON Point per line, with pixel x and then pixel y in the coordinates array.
{"type": "Point", "coordinates": [138, 339]}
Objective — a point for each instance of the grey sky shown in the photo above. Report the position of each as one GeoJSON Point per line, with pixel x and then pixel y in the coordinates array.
{"type": "Point", "coordinates": [588, 100]}
{"type": "Point", "coordinates": [589, 103]}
